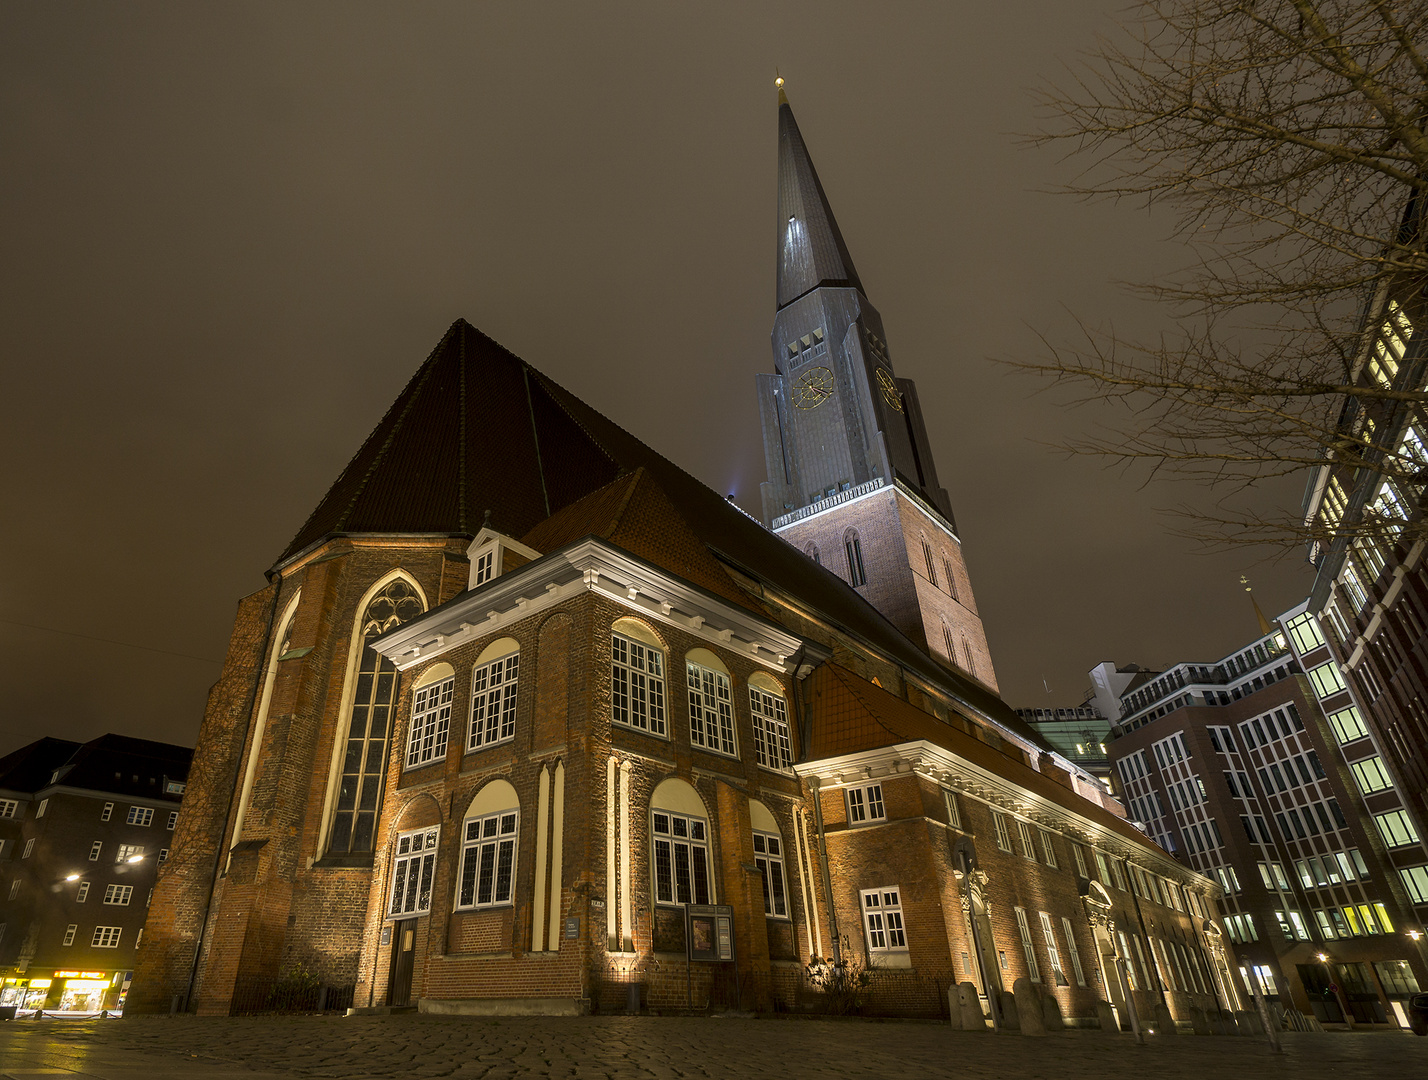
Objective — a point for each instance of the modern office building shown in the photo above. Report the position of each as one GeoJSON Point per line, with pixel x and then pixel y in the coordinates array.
{"type": "Point", "coordinates": [83, 830]}
{"type": "Point", "coordinates": [1077, 732]}
{"type": "Point", "coordinates": [1233, 766]}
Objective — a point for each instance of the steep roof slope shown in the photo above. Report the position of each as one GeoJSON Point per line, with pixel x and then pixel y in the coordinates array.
{"type": "Point", "coordinates": [29, 768]}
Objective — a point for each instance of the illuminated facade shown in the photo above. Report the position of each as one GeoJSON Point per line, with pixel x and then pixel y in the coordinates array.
{"type": "Point", "coordinates": [521, 691]}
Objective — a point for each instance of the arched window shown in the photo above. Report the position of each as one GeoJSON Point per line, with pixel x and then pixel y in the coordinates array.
{"type": "Point", "coordinates": [812, 552]}
{"type": "Point", "coordinates": [853, 548]}
{"type": "Point", "coordinates": [637, 677]}
{"type": "Point", "coordinates": [679, 826]}
{"type": "Point", "coordinates": [364, 750]}
{"type": "Point", "coordinates": [488, 847]}
{"type": "Point", "coordinates": [493, 694]}
{"type": "Point", "coordinates": [711, 709]}
{"type": "Point", "coordinates": [768, 857]}
{"type": "Point", "coordinates": [431, 716]}
{"type": "Point", "coordinates": [773, 746]}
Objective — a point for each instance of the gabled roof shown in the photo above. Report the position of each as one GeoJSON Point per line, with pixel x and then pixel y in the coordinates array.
{"type": "Point", "coordinates": [109, 763]}
{"type": "Point", "coordinates": [29, 768]}
{"type": "Point", "coordinates": [851, 715]}
{"type": "Point", "coordinates": [811, 251]}
{"type": "Point", "coordinates": [478, 428]}
{"type": "Point", "coordinates": [471, 432]}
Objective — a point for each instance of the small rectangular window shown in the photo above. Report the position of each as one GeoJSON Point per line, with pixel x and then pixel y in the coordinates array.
{"type": "Point", "coordinates": [999, 822]}
{"type": "Point", "coordinates": [118, 895]}
{"type": "Point", "coordinates": [768, 857]}
{"type": "Point", "coordinates": [95, 849]}
{"type": "Point", "coordinates": [866, 804]}
{"type": "Point", "coordinates": [108, 810]}
{"type": "Point", "coordinates": [1080, 860]}
{"type": "Point", "coordinates": [173, 819]}
{"type": "Point", "coordinates": [106, 937]}
{"type": "Point", "coordinates": [29, 847]}
{"type": "Point", "coordinates": [14, 888]}
{"type": "Point", "coordinates": [882, 920]}
{"type": "Point", "coordinates": [9, 808]}
{"type": "Point", "coordinates": [129, 853]}
{"type": "Point", "coordinates": [82, 893]}
{"type": "Point", "coordinates": [69, 932]}
{"type": "Point", "coordinates": [954, 816]}
{"type": "Point", "coordinates": [1047, 850]}
{"type": "Point", "coordinates": [140, 815]}
{"type": "Point", "coordinates": [40, 810]}
{"type": "Point", "coordinates": [1028, 841]}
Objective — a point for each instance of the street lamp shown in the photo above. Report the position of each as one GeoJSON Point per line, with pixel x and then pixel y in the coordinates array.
{"type": "Point", "coordinates": [1336, 991]}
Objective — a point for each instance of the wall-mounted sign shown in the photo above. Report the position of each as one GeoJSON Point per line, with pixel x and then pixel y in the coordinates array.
{"type": "Point", "coordinates": [81, 975]}
{"type": "Point", "coordinates": [386, 935]}
{"type": "Point", "coordinates": [709, 933]}
{"type": "Point", "coordinates": [572, 927]}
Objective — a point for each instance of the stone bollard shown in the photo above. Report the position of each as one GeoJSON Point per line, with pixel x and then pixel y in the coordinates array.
{"type": "Point", "coordinates": [1199, 1022]}
{"type": "Point", "coordinates": [1051, 1012]}
{"type": "Point", "coordinates": [1106, 1013]}
{"type": "Point", "coordinates": [1011, 1021]}
{"type": "Point", "coordinates": [1164, 1022]}
{"type": "Point", "coordinates": [969, 1003]}
{"type": "Point", "coordinates": [1028, 1007]}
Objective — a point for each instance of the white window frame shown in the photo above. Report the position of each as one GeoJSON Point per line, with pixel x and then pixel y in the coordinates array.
{"type": "Point", "coordinates": [1072, 951]}
{"type": "Point", "coordinates": [865, 804]}
{"type": "Point", "coordinates": [163, 855]}
{"type": "Point", "coordinates": [1028, 948]}
{"type": "Point", "coordinates": [106, 937]}
{"type": "Point", "coordinates": [999, 824]}
{"type": "Point", "coordinates": [773, 744]}
{"type": "Point", "coordinates": [142, 816]}
{"type": "Point", "coordinates": [954, 813]}
{"type": "Point", "coordinates": [173, 820]}
{"type": "Point", "coordinates": [493, 702]}
{"type": "Point", "coordinates": [14, 888]}
{"type": "Point", "coordinates": [1048, 850]}
{"type": "Point", "coordinates": [682, 842]}
{"type": "Point", "coordinates": [768, 857]}
{"type": "Point", "coordinates": [40, 810]}
{"type": "Point", "coordinates": [127, 851]}
{"type": "Point", "coordinates": [489, 850]}
{"type": "Point", "coordinates": [1370, 775]}
{"type": "Point", "coordinates": [1396, 828]}
{"type": "Point", "coordinates": [1048, 931]}
{"type": "Point", "coordinates": [69, 932]}
{"type": "Point", "coordinates": [107, 812]}
{"type": "Point", "coordinates": [9, 808]}
{"type": "Point", "coordinates": [711, 710]}
{"type": "Point", "coordinates": [883, 926]}
{"type": "Point", "coordinates": [29, 847]}
{"type": "Point", "coordinates": [118, 895]}
{"type": "Point", "coordinates": [81, 894]}
{"type": "Point", "coordinates": [430, 724]}
{"type": "Point", "coordinates": [1028, 839]}
{"type": "Point", "coordinates": [413, 869]}
{"type": "Point", "coordinates": [637, 697]}
{"type": "Point", "coordinates": [95, 849]}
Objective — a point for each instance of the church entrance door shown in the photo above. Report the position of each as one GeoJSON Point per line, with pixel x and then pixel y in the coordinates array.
{"type": "Point", "coordinates": [399, 982]}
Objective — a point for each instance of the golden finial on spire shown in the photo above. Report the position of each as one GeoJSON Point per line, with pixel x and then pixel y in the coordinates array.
{"type": "Point", "coordinates": [778, 82]}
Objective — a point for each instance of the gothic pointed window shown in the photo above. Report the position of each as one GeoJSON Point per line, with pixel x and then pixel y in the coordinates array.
{"type": "Point", "coordinates": [364, 758]}
{"type": "Point", "coordinates": [853, 548]}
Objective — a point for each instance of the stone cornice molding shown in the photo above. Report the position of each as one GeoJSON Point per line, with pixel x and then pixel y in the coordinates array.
{"type": "Point", "coordinates": [590, 565]}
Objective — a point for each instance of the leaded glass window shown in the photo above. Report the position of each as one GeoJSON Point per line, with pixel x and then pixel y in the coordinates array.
{"type": "Point", "coordinates": [364, 758]}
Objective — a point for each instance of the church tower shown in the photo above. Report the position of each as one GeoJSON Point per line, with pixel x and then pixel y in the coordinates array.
{"type": "Point", "coordinates": [851, 480]}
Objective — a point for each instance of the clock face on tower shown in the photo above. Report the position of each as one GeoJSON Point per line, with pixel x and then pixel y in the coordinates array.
{"type": "Point", "coordinates": [812, 388]}
{"type": "Point", "coordinates": [889, 389]}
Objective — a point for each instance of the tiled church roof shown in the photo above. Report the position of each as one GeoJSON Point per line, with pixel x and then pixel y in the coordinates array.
{"type": "Point", "coordinates": [477, 428]}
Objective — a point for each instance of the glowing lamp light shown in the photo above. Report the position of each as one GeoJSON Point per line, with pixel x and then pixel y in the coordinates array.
{"type": "Point", "coordinates": [1415, 934]}
{"type": "Point", "coordinates": [72, 877]}
{"type": "Point", "coordinates": [136, 858]}
{"type": "Point", "coordinates": [1323, 957]}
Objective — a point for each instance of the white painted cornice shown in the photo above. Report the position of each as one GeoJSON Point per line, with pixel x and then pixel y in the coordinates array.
{"type": "Point", "coordinates": [590, 566]}
{"type": "Point", "coordinates": [942, 766]}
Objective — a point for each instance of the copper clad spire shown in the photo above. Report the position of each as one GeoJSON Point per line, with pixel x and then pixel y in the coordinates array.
{"type": "Point", "coordinates": [811, 251]}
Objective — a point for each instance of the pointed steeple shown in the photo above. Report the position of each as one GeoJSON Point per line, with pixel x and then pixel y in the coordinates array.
{"type": "Point", "coordinates": [811, 251]}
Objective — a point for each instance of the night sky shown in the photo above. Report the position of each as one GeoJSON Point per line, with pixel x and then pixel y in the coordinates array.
{"type": "Point", "coordinates": [229, 234]}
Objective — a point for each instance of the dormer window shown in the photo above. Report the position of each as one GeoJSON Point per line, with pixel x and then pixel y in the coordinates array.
{"type": "Point", "coordinates": [493, 554]}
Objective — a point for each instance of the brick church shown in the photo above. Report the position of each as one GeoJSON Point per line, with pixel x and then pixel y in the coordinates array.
{"type": "Point", "coordinates": [450, 762]}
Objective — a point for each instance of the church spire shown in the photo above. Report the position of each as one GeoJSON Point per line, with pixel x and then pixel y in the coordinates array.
{"type": "Point", "coordinates": [811, 251]}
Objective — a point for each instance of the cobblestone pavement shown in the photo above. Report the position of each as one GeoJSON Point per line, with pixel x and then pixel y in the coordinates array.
{"type": "Point", "coordinates": [653, 1048]}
